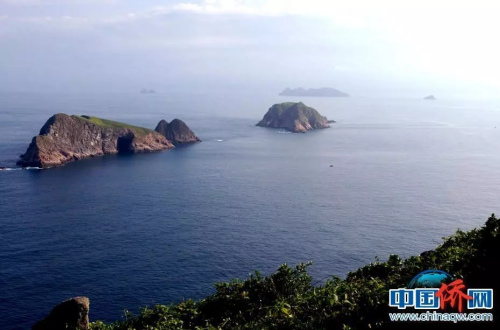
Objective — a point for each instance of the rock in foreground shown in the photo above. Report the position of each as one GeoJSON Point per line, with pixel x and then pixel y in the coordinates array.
{"type": "Point", "coordinates": [177, 131]}
{"type": "Point", "coordinates": [294, 117]}
{"type": "Point", "coordinates": [70, 314]}
{"type": "Point", "coordinates": [66, 138]}
{"type": "Point", "coordinates": [320, 92]}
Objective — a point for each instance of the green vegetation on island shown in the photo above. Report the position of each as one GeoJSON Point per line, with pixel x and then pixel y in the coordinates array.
{"type": "Point", "coordinates": [106, 123]}
{"type": "Point", "coordinates": [288, 299]}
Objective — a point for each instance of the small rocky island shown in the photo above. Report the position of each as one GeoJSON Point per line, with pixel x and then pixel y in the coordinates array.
{"type": "Point", "coordinates": [148, 91]}
{"type": "Point", "coordinates": [176, 131]}
{"type": "Point", "coordinates": [320, 92]}
{"type": "Point", "coordinates": [66, 138]}
{"type": "Point", "coordinates": [430, 97]}
{"type": "Point", "coordinates": [294, 117]}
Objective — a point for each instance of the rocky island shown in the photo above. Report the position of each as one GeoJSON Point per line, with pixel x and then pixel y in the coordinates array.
{"type": "Point", "coordinates": [66, 138]}
{"type": "Point", "coordinates": [320, 92]}
{"type": "Point", "coordinates": [294, 117]}
{"type": "Point", "coordinates": [176, 131]}
{"type": "Point", "coordinates": [430, 97]}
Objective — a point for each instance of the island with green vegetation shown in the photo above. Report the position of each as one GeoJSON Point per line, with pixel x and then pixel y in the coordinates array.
{"type": "Point", "coordinates": [294, 117]}
{"type": "Point", "coordinates": [66, 138]}
{"type": "Point", "coordinates": [289, 299]}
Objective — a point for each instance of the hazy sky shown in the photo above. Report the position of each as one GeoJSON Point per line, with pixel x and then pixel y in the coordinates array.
{"type": "Point", "coordinates": [361, 47]}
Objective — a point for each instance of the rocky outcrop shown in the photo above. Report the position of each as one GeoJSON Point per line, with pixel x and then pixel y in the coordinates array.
{"type": "Point", "coordinates": [70, 314]}
{"type": "Point", "coordinates": [66, 138]}
{"type": "Point", "coordinates": [430, 97]}
{"type": "Point", "coordinates": [320, 92]}
{"type": "Point", "coordinates": [294, 117]}
{"type": "Point", "coordinates": [176, 131]}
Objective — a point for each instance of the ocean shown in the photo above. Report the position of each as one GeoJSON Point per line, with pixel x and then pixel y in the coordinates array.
{"type": "Point", "coordinates": [392, 176]}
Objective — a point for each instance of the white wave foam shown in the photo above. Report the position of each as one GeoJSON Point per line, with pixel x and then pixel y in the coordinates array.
{"type": "Point", "coordinates": [20, 168]}
{"type": "Point", "coordinates": [9, 169]}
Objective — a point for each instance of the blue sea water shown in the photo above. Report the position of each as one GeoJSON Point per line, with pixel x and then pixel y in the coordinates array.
{"type": "Point", "coordinates": [135, 230]}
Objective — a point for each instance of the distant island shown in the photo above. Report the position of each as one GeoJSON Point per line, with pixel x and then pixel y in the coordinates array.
{"type": "Point", "coordinates": [66, 138]}
{"type": "Point", "coordinates": [294, 117]}
{"type": "Point", "coordinates": [430, 97]}
{"type": "Point", "coordinates": [148, 91]}
{"type": "Point", "coordinates": [321, 92]}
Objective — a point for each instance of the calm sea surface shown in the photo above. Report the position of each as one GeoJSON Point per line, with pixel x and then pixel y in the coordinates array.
{"type": "Point", "coordinates": [130, 231]}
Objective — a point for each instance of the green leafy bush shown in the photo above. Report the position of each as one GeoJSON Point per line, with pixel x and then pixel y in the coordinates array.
{"type": "Point", "coordinates": [288, 300]}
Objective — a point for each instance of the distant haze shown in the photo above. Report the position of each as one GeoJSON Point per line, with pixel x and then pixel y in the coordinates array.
{"type": "Point", "coordinates": [367, 48]}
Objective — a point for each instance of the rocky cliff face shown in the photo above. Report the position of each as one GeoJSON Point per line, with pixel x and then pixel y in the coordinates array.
{"type": "Point", "coordinates": [177, 131]}
{"type": "Point", "coordinates": [70, 314]}
{"type": "Point", "coordinates": [66, 138]}
{"type": "Point", "coordinates": [294, 117]}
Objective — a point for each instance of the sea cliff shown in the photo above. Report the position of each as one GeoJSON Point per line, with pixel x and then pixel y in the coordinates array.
{"type": "Point", "coordinates": [66, 138]}
{"type": "Point", "coordinates": [176, 131]}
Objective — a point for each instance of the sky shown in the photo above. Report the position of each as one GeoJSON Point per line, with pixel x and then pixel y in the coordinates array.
{"type": "Point", "coordinates": [362, 47]}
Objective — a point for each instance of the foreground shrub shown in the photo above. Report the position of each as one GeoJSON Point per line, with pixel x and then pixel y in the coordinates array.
{"type": "Point", "coordinates": [288, 300]}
